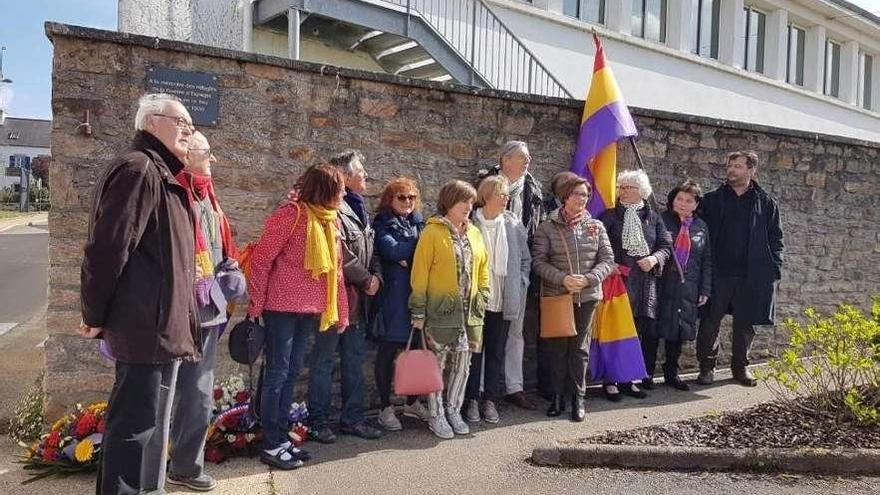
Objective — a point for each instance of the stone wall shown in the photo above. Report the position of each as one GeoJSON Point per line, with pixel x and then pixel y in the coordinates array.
{"type": "Point", "coordinates": [278, 117]}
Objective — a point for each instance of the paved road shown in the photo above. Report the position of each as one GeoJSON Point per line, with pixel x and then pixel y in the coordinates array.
{"type": "Point", "coordinates": [493, 459]}
{"type": "Point", "coordinates": [24, 252]}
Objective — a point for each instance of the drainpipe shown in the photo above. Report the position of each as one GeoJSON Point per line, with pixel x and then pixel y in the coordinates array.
{"type": "Point", "coordinates": [293, 34]}
{"type": "Point", "coordinates": [247, 26]}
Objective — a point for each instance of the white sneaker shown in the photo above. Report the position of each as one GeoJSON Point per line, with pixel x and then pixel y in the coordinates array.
{"type": "Point", "coordinates": [388, 420]}
{"type": "Point", "coordinates": [490, 414]}
{"type": "Point", "coordinates": [416, 410]}
{"type": "Point", "coordinates": [472, 415]}
{"type": "Point", "coordinates": [458, 424]}
{"type": "Point", "coordinates": [440, 427]}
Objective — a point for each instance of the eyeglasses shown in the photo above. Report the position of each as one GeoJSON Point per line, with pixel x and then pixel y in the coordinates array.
{"type": "Point", "coordinates": [627, 188]}
{"type": "Point", "coordinates": [406, 197]}
{"type": "Point", "coordinates": [179, 121]}
{"type": "Point", "coordinates": [204, 151]}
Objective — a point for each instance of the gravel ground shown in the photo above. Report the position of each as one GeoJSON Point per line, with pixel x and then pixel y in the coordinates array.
{"type": "Point", "coordinates": [765, 425]}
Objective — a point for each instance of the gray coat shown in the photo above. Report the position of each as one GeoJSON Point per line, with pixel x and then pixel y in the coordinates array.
{"type": "Point", "coordinates": [590, 254]}
{"type": "Point", "coordinates": [359, 262]}
{"type": "Point", "coordinates": [519, 262]}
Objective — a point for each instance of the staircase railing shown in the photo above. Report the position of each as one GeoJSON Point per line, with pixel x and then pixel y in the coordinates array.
{"type": "Point", "coordinates": [481, 38]}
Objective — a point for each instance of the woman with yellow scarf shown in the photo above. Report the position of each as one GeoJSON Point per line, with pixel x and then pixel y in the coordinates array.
{"type": "Point", "coordinates": [296, 286]}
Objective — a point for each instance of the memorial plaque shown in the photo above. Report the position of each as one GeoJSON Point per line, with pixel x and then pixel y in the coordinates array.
{"type": "Point", "coordinates": [196, 90]}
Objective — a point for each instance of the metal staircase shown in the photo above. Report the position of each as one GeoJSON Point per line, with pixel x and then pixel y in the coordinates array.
{"type": "Point", "coordinates": [441, 40]}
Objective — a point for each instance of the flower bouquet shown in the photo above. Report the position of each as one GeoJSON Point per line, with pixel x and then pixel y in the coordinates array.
{"type": "Point", "coordinates": [72, 444]}
{"type": "Point", "coordinates": [234, 431]}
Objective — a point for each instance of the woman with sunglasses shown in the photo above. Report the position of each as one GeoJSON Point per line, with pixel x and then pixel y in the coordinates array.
{"type": "Point", "coordinates": [397, 227]}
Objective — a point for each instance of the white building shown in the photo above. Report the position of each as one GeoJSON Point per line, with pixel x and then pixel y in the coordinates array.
{"type": "Point", "coordinates": [25, 138]}
{"type": "Point", "coordinates": [811, 65]}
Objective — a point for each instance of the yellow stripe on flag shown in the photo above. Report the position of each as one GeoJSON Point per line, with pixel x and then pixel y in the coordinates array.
{"type": "Point", "coordinates": [604, 169]}
{"type": "Point", "coordinates": [603, 90]}
{"type": "Point", "coordinates": [614, 321]}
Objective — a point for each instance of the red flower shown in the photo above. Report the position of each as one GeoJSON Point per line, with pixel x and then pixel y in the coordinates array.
{"type": "Point", "coordinates": [101, 425]}
{"type": "Point", "coordinates": [214, 455]}
{"type": "Point", "coordinates": [240, 442]}
{"type": "Point", "coordinates": [86, 425]}
{"type": "Point", "coordinates": [53, 440]}
{"type": "Point", "coordinates": [218, 393]}
{"type": "Point", "coordinates": [242, 396]}
{"type": "Point", "coordinates": [50, 454]}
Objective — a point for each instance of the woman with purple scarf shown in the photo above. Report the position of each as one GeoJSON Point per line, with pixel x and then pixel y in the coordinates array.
{"type": "Point", "coordinates": [686, 282]}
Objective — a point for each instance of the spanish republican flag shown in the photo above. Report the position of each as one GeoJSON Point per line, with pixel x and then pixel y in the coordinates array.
{"type": "Point", "coordinates": [605, 121]}
{"type": "Point", "coordinates": [615, 350]}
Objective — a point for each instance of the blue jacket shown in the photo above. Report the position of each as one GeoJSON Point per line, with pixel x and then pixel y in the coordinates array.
{"type": "Point", "coordinates": [396, 239]}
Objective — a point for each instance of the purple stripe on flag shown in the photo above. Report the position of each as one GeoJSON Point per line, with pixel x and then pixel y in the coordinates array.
{"type": "Point", "coordinates": [604, 127]}
{"type": "Point", "coordinates": [617, 361]}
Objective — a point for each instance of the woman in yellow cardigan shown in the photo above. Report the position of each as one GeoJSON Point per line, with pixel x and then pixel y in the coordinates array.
{"type": "Point", "coordinates": [450, 291]}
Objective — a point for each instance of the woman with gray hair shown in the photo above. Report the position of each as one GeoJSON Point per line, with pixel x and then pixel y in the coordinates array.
{"type": "Point", "coordinates": [642, 245]}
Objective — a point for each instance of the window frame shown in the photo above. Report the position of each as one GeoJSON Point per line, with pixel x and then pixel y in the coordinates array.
{"type": "Point", "coordinates": [760, 40]}
{"type": "Point", "coordinates": [642, 25]}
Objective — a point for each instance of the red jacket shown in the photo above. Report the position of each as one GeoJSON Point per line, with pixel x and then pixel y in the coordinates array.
{"type": "Point", "coordinates": [278, 280]}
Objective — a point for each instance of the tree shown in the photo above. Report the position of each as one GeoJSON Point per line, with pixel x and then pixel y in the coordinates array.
{"type": "Point", "coordinates": [40, 168]}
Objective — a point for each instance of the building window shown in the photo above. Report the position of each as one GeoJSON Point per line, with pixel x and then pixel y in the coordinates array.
{"type": "Point", "coordinates": [754, 34]}
{"type": "Point", "coordinates": [832, 68]}
{"type": "Point", "coordinates": [796, 43]}
{"type": "Point", "coordinates": [588, 10]}
{"type": "Point", "coordinates": [704, 36]}
{"type": "Point", "coordinates": [649, 20]}
{"type": "Point", "coordinates": [866, 69]}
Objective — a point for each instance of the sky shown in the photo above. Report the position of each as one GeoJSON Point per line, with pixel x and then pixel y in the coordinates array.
{"type": "Point", "coordinates": [28, 57]}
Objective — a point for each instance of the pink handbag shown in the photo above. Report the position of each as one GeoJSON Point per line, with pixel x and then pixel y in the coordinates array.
{"type": "Point", "coordinates": [416, 371]}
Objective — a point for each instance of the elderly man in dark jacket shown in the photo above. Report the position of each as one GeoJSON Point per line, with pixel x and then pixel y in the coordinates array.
{"type": "Point", "coordinates": [527, 204]}
{"type": "Point", "coordinates": [361, 272]}
{"type": "Point", "coordinates": [137, 290]}
{"type": "Point", "coordinates": [746, 236]}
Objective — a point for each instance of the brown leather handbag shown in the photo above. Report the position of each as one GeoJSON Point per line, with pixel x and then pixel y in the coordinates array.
{"type": "Point", "coordinates": [557, 312]}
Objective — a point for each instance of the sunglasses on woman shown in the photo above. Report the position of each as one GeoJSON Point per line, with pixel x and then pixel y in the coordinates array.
{"type": "Point", "coordinates": [406, 197]}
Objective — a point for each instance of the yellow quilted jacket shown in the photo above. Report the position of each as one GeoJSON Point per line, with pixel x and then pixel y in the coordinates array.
{"type": "Point", "coordinates": [435, 294]}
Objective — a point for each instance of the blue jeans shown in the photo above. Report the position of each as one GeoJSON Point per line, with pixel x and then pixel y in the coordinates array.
{"type": "Point", "coordinates": [352, 350]}
{"type": "Point", "coordinates": [287, 335]}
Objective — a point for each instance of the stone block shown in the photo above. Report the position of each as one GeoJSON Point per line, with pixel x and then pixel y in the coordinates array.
{"type": "Point", "coordinates": [382, 109]}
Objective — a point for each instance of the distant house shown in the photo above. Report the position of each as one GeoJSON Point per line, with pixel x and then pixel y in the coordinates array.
{"type": "Point", "coordinates": [21, 140]}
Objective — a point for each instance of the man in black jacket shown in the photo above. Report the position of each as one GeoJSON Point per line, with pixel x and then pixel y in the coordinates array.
{"type": "Point", "coordinates": [747, 252]}
{"type": "Point", "coordinates": [527, 204]}
{"type": "Point", "coordinates": [137, 290]}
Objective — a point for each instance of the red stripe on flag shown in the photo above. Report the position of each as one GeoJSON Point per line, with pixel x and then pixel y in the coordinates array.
{"type": "Point", "coordinates": [600, 61]}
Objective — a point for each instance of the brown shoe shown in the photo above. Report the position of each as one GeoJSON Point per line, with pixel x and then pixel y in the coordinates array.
{"type": "Point", "coordinates": [519, 399]}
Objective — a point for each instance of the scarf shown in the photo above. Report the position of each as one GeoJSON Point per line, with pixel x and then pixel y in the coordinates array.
{"type": "Point", "coordinates": [197, 188]}
{"type": "Point", "coordinates": [498, 251]}
{"type": "Point", "coordinates": [633, 238]}
{"type": "Point", "coordinates": [682, 246]}
{"type": "Point", "coordinates": [516, 189]}
{"type": "Point", "coordinates": [573, 221]}
{"type": "Point", "coordinates": [321, 256]}
{"type": "Point", "coordinates": [356, 201]}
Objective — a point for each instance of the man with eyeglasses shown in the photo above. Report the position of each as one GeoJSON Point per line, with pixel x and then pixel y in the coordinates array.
{"type": "Point", "coordinates": [137, 291]}
{"type": "Point", "coordinates": [361, 272]}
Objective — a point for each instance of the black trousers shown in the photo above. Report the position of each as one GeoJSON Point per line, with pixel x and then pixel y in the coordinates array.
{"type": "Point", "coordinates": [133, 417]}
{"type": "Point", "coordinates": [728, 293]}
{"type": "Point", "coordinates": [386, 353]}
{"type": "Point", "coordinates": [495, 329]}
{"type": "Point", "coordinates": [650, 344]}
{"type": "Point", "coordinates": [569, 356]}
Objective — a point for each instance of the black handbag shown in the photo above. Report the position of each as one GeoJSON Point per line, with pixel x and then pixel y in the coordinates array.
{"type": "Point", "coordinates": [246, 341]}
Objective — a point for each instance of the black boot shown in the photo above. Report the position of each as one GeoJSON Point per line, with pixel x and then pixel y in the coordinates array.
{"type": "Point", "coordinates": [578, 409]}
{"type": "Point", "coordinates": [557, 406]}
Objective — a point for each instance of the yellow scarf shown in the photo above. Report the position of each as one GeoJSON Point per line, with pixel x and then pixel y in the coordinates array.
{"type": "Point", "coordinates": [321, 256]}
